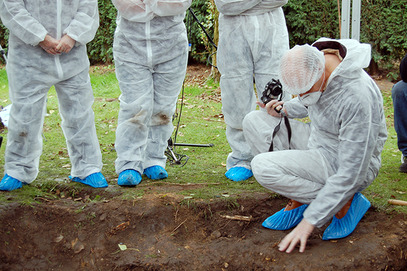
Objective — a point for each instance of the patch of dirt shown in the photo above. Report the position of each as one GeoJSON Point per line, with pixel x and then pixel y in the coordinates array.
{"type": "Point", "coordinates": [197, 74]}
{"type": "Point", "coordinates": [384, 84]}
{"type": "Point", "coordinates": [95, 230]}
{"type": "Point", "coordinates": [166, 232]}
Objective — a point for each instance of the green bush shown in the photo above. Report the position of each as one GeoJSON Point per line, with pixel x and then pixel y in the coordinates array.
{"type": "Point", "coordinates": [200, 45]}
{"type": "Point", "coordinates": [309, 20]}
{"type": "Point", "coordinates": [100, 49]}
{"type": "Point", "coordinates": [382, 25]}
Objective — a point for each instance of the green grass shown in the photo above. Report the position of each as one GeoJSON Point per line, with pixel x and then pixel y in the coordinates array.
{"type": "Point", "coordinates": [201, 123]}
{"type": "Point", "coordinates": [390, 183]}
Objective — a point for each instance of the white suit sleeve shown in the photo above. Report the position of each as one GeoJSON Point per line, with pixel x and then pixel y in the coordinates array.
{"type": "Point", "coordinates": [84, 25]}
{"type": "Point", "coordinates": [171, 7]}
{"type": "Point", "coordinates": [235, 7]}
{"type": "Point", "coordinates": [295, 109]}
{"type": "Point", "coordinates": [359, 133]}
{"type": "Point", "coordinates": [145, 10]}
{"type": "Point", "coordinates": [135, 10]}
{"type": "Point", "coordinates": [19, 21]}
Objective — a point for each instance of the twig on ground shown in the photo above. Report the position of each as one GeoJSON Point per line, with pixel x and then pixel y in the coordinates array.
{"type": "Point", "coordinates": [176, 228]}
{"type": "Point", "coordinates": [238, 217]}
{"type": "Point", "coordinates": [397, 202]}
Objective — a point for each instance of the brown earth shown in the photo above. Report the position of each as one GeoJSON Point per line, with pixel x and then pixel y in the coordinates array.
{"type": "Point", "coordinates": [94, 230]}
{"type": "Point", "coordinates": [162, 231]}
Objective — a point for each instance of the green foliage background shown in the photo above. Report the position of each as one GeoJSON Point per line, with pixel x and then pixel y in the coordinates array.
{"type": "Point", "coordinates": [101, 48]}
{"type": "Point", "coordinates": [309, 20]}
{"type": "Point", "coordinates": [382, 25]}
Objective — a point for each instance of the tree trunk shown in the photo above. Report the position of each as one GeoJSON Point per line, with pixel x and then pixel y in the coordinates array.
{"type": "Point", "coordinates": [373, 68]}
{"type": "Point", "coordinates": [214, 71]}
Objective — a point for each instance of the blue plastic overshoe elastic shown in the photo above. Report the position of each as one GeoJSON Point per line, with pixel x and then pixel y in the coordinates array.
{"type": "Point", "coordinates": [155, 173]}
{"type": "Point", "coordinates": [96, 180]}
{"type": "Point", "coordinates": [238, 174]}
{"type": "Point", "coordinates": [340, 228]}
{"type": "Point", "coordinates": [129, 177]}
{"type": "Point", "coordinates": [9, 183]}
{"type": "Point", "coordinates": [285, 220]}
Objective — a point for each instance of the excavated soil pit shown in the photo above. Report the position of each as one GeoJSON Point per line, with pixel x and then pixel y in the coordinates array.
{"type": "Point", "coordinates": [167, 232]}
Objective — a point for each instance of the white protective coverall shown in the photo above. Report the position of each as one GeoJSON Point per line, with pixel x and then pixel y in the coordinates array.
{"type": "Point", "coordinates": [252, 38]}
{"type": "Point", "coordinates": [335, 155]}
{"type": "Point", "coordinates": [151, 53]}
{"type": "Point", "coordinates": [32, 71]}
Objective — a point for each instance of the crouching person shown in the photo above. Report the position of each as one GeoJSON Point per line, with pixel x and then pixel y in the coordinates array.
{"type": "Point", "coordinates": [326, 163]}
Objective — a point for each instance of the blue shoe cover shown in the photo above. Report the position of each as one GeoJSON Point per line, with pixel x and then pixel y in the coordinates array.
{"type": "Point", "coordinates": [340, 228]}
{"type": "Point", "coordinates": [285, 220]}
{"type": "Point", "coordinates": [9, 183]}
{"type": "Point", "coordinates": [155, 173]}
{"type": "Point", "coordinates": [96, 180]}
{"type": "Point", "coordinates": [129, 177]}
{"type": "Point", "coordinates": [238, 174]}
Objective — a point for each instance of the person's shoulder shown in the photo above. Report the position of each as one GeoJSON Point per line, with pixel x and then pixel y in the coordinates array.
{"type": "Point", "coordinates": [355, 93]}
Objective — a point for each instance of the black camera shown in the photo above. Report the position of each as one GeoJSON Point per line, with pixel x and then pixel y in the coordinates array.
{"type": "Point", "coordinates": [273, 91]}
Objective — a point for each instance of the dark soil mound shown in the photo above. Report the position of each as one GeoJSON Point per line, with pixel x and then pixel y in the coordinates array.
{"type": "Point", "coordinates": [161, 232]}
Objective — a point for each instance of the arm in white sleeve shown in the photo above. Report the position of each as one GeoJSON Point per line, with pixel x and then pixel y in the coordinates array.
{"type": "Point", "coordinates": [19, 21]}
{"type": "Point", "coordinates": [235, 7]}
{"type": "Point", "coordinates": [358, 135]}
{"type": "Point", "coordinates": [295, 109]}
{"type": "Point", "coordinates": [135, 10]}
{"type": "Point", "coordinates": [84, 25]}
{"type": "Point", "coordinates": [171, 7]}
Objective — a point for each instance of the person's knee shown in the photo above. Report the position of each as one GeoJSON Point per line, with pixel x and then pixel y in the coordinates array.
{"type": "Point", "coordinates": [256, 165]}
{"type": "Point", "coordinates": [248, 121]}
{"type": "Point", "coordinates": [251, 127]}
{"type": "Point", "coordinates": [263, 170]}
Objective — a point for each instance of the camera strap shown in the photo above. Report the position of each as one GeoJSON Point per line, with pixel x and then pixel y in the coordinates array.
{"type": "Point", "coordinates": [287, 124]}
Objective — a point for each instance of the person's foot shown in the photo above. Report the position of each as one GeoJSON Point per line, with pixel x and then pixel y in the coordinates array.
{"type": "Point", "coordinates": [346, 224]}
{"type": "Point", "coordinates": [129, 177]}
{"type": "Point", "coordinates": [96, 180]}
{"type": "Point", "coordinates": [238, 174]}
{"type": "Point", "coordinates": [342, 212]}
{"type": "Point", "coordinates": [155, 173]}
{"type": "Point", "coordinates": [9, 183]}
{"type": "Point", "coordinates": [286, 218]}
{"type": "Point", "coordinates": [292, 204]}
{"type": "Point", "coordinates": [403, 167]}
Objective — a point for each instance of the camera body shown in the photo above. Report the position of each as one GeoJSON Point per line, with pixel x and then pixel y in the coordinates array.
{"type": "Point", "coordinates": [273, 91]}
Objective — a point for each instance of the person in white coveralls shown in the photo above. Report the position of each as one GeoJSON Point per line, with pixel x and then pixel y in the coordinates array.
{"type": "Point", "coordinates": [331, 159]}
{"type": "Point", "coordinates": [150, 53]}
{"type": "Point", "coordinates": [47, 47]}
{"type": "Point", "coordinates": [253, 37]}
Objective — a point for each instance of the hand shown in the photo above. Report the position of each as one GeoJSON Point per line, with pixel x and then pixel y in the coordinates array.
{"type": "Point", "coordinates": [270, 107]}
{"type": "Point", "coordinates": [300, 235]}
{"type": "Point", "coordinates": [49, 45]}
{"type": "Point", "coordinates": [65, 44]}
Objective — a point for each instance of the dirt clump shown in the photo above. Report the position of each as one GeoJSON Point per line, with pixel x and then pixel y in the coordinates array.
{"type": "Point", "coordinates": [168, 232]}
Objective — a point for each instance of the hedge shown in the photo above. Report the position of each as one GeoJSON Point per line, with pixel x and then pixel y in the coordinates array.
{"type": "Point", "coordinates": [382, 25]}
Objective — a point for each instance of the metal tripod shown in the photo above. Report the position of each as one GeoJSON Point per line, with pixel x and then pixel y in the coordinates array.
{"type": "Point", "coordinates": [180, 159]}
{"type": "Point", "coordinates": [176, 158]}
{"type": "Point", "coordinates": [172, 156]}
